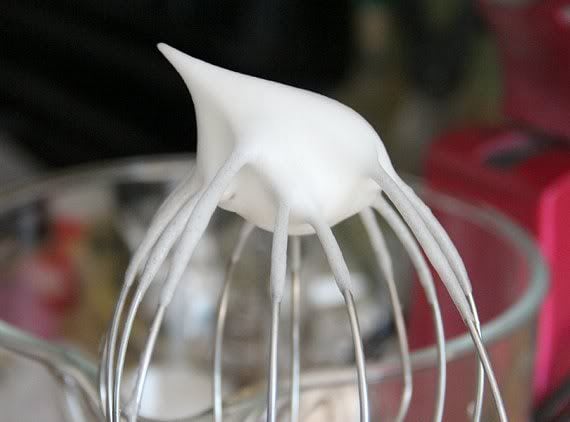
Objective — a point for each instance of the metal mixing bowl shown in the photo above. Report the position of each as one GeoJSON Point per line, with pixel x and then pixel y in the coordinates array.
{"type": "Point", "coordinates": [64, 244]}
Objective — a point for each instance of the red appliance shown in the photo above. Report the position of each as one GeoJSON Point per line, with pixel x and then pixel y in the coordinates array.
{"type": "Point", "coordinates": [524, 169]}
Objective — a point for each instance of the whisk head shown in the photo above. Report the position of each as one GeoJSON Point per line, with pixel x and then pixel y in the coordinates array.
{"type": "Point", "coordinates": [294, 163]}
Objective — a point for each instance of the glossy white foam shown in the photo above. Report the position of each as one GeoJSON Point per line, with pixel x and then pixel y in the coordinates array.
{"type": "Point", "coordinates": [311, 152]}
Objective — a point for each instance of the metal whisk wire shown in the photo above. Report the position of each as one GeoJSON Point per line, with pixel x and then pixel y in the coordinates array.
{"type": "Point", "coordinates": [340, 271]}
{"type": "Point", "coordinates": [295, 328]}
{"type": "Point", "coordinates": [221, 315]}
{"type": "Point", "coordinates": [294, 384]}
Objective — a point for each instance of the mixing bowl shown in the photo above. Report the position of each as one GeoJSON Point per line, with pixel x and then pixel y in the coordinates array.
{"type": "Point", "coordinates": [65, 242]}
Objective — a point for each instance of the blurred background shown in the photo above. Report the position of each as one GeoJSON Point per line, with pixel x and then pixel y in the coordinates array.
{"type": "Point", "coordinates": [83, 80]}
{"type": "Point", "coordinates": [473, 95]}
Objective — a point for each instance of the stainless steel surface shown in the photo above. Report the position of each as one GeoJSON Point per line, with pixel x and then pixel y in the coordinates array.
{"type": "Point", "coordinates": [277, 278]}
{"type": "Point", "coordinates": [447, 263]}
{"type": "Point", "coordinates": [384, 260]}
{"type": "Point", "coordinates": [273, 362]}
{"type": "Point", "coordinates": [478, 405]}
{"type": "Point", "coordinates": [363, 398]}
{"type": "Point", "coordinates": [134, 404]}
{"type": "Point", "coordinates": [343, 279]}
{"type": "Point", "coordinates": [295, 327]}
{"type": "Point", "coordinates": [221, 315]}
{"type": "Point", "coordinates": [426, 280]}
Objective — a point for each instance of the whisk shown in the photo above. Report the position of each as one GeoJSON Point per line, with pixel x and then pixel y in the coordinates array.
{"type": "Point", "coordinates": [294, 163]}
